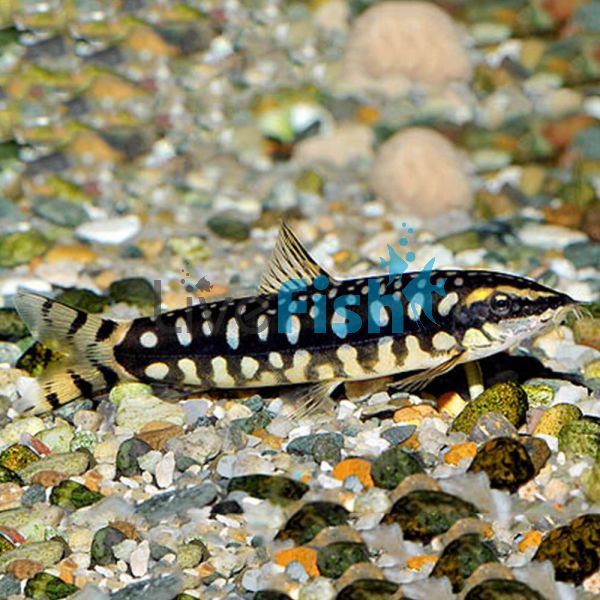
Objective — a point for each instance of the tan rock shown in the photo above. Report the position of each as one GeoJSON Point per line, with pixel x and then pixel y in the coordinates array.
{"type": "Point", "coordinates": [418, 171]}
{"type": "Point", "coordinates": [348, 142]}
{"type": "Point", "coordinates": [393, 43]}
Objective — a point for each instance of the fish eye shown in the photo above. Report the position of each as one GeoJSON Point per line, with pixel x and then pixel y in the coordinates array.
{"type": "Point", "coordinates": [500, 304]}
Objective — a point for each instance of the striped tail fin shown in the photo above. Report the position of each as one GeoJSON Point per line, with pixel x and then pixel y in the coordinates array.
{"type": "Point", "coordinates": [85, 340]}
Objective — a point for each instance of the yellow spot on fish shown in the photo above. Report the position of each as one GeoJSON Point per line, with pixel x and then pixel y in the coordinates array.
{"type": "Point", "coordinates": [348, 355]}
{"type": "Point", "coordinates": [276, 359]}
{"type": "Point", "coordinates": [474, 338]}
{"type": "Point", "coordinates": [386, 360]}
{"type": "Point", "coordinates": [447, 303]}
{"type": "Point", "coordinates": [297, 373]}
{"type": "Point", "coordinates": [157, 370]}
{"type": "Point", "coordinates": [190, 371]}
{"type": "Point", "coordinates": [325, 372]}
{"type": "Point", "coordinates": [183, 333]}
{"type": "Point", "coordinates": [443, 341]}
{"type": "Point", "coordinates": [148, 339]}
{"type": "Point", "coordinates": [221, 376]}
{"type": "Point", "coordinates": [249, 366]}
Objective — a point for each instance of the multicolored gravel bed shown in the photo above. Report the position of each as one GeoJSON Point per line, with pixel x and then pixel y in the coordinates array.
{"type": "Point", "coordinates": [148, 151]}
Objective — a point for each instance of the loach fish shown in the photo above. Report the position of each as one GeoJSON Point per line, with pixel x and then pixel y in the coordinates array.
{"type": "Point", "coordinates": [265, 340]}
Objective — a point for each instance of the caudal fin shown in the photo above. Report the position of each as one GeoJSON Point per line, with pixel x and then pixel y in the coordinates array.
{"type": "Point", "coordinates": [85, 340]}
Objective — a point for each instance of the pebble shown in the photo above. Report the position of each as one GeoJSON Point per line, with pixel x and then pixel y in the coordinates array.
{"type": "Point", "coordinates": [68, 463]}
{"type": "Point", "coordinates": [461, 557]}
{"type": "Point", "coordinates": [423, 514]}
{"type": "Point", "coordinates": [507, 399]}
{"type": "Point", "coordinates": [21, 247]}
{"type": "Point", "coordinates": [392, 466]}
{"type": "Point", "coordinates": [581, 436]}
{"type": "Point", "coordinates": [552, 421]}
{"type": "Point", "coordinates": [506, 462]}
{"type": "Point", "coordinates": [309, 520]}
{"type": "Point", "coordinates": [139, 559]}
{"type": "Point", "coordinates": [136, 412]}
{"type": "Point", "coordinates": [110, 231]}
{"type": "Point", "coordinates": [176, 502]}
{"type": "Point", "coordinates": [164, 470]}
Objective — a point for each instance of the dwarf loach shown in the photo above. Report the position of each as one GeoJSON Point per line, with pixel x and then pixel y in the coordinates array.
{"type": "Point", "coordinates": [303, 327]}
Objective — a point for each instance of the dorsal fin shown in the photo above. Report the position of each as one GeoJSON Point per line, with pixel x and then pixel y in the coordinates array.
{"type": "Point", "coordinates": [289, 260]}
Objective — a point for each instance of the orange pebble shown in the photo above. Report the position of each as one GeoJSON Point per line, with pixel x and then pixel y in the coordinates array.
{"type": "Point", "coordinates": [416, 563]}
{"type": "Point", "coordinates": [531, 539]}
{"type": "Point", "coordinates": [359, 467]}
{"type": "Point", "coordinates": [425, 410]}
{"type": "Point", "coordinates": [412, 443]}
{"type": "Point", "coordinates": [450, 403]}
{"type": "Point", "coordinates": [408, 415]}
{"type": "Point", "coordinates": [367, 115]}
{"type": "Point", "coordinates": [460, 451]}
{"type": "Point", "coordinates": [307, 557]}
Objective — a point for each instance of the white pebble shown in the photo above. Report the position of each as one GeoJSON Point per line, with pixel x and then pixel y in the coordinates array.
{"type": "Point", "coordinates": [165, 470]}
{"type": "Point", "coordinates": [139, 559]}
{"type": "Point", "coordinates": [110, 231]}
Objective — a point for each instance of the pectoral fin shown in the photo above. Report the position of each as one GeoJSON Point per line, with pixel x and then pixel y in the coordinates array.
{"type": "Point", "coordinates": [419, 380]}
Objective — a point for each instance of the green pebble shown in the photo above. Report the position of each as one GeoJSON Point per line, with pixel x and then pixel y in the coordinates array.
{"type": "Point", "coordinates": [48, 553]}
{"type": "Point", "coordinates": [192, 554]}
{"type": "Point", "coordinates": [423, 514]}
{"type": "Point", "coordinates": [45, 586]}
{"type": "Point", "coordinates": [68, 463]}
{"type": "Point", "coordinates": [259, 420]}
{"type": "Point", "coordinates": [553, 420]}
{"type": "Point", "coordinates": [310, 182]}
{"type": "Point", "coordinates": [507, 399]}
{"type": "Point", "coordinates": [334, 559]}
{"type": "Point", "coordinates": [84, 439]}
{"type": "Point", "coordinates": [465, 240]}
{"type": "Point", "coordinates": [462, 557]}
{"type": "Point", "coordinates": [60, 212]}
{"type": "Point", "coordinates": [8, 476]}
{"type": "Point", "coordinates": [392, 466]}
{"type": "Point", "coordinates": [83, 299]}
{"type": "Point", "coordinates": [270, 595]}
{"type": "Point", "coordinates": [5, 545]}
{"type": "Point", "coordinates": [573, 549]}
{"type": "Point", "coordinates": [326, 449]}
{"type": "Point", "coordinates": [506, 462]}
{"type": "Point", "coordinates": [135, 291]}
{"type": "Point", "coordinates": [58, 438]}
{"type": "Point", "coordinates": [369, 589]}
{"type": "Point", "coordinates": [591, 481]}
{"type": "Point", "coordinates": [581, 437]}
{"type": "Point", "coordinates": [304, 524]}
{"type": "Point", "coordinates": [21, 247]}
{"type": "Point", "coordinates": [229, 228]}
{"type": "Point", "coordinates": [276, 488]}
{"type": "Point", "coordinates": [538, 394]}
{"type": "Point", "coordinates": [507, 589]}
{"type": "Point", "coordinates": [126, 391]}
{"type": "Point", "coordinates": [102, 544]}
{"type": "Point", "coordinates": [72, 495]}
{"type": "Point", "coordinates": [12, 327]}
{"type": "Point", "coordinates": [127, 456]}
{"type": "Point", "coordinates": [17, 457]}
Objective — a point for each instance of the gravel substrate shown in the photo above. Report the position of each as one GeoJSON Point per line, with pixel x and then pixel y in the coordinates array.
{"type": "Point", "coordinates": [148, 151]}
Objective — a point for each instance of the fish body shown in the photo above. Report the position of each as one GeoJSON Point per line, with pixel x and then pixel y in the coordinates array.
{"type": "Point", "coordinates": [302, 337]}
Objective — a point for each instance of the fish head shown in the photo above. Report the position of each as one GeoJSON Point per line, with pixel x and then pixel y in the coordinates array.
{"type": "Point", "coordinates": [495, 311]}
